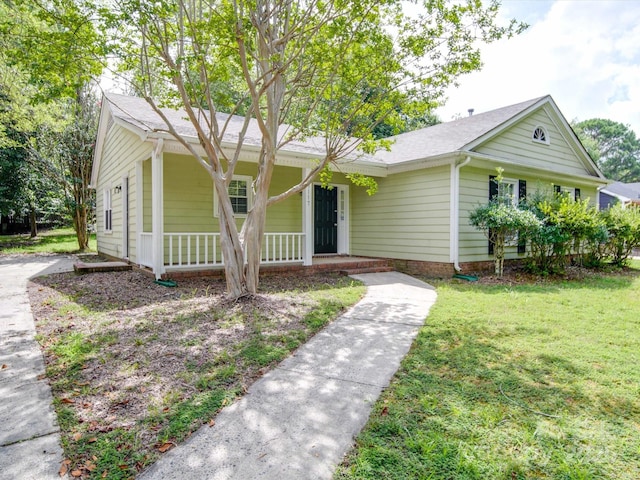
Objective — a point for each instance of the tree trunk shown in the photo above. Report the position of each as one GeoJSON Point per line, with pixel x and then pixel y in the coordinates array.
{"type": "Point", "coordinates": [499, 254]}
{"type": "Point", "coordinates": [32, 222]}
{"type": "Point", "coordinates": [80, 227]}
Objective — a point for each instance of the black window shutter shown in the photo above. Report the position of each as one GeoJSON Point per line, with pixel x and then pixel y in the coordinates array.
{"type": "Point", "coordinates": [522, 196]}
{"type": "Point", "coordinates": [493, 194]}
{"type": "Point", "coordinates": [493, 187]}
{"type": "Point", "coordinates": [577, 194]}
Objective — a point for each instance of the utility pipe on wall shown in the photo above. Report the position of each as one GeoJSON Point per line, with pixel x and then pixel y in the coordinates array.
{"type": "Point", "coordinates": [455, 212]}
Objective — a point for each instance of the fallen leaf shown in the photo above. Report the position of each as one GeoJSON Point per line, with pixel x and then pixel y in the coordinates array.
{"type": "Point", "coordinates": [95, 459]}
{"type": "Point", "coordinates": [165, 409]}
{"type": "Point", "coordinates": [82, 384]}
{"type": "Point", "coordinates": [63, 468]}
{"type": "Point", "coordinates": [212, 422]}
{"type": "Point", "coordinates": [123, 467]}
{"type": "Point", "coordinates": [90, 465]}
{"type": "Point", "coordinates": [93, 439]}
{"type": "Point", "coordinates": [67, 400]}
{"type": "Point", "coordinates": [142, 389]}
{"type": "Point", "coordinates": [42, 376]}
{"type": "Point", "coordinates": [385, 411]}
{"type": "Point", "coordinates": [86, 405]}
{"type": "Point", "coordinates": [105, 473]}
{"type": "Point", "coordinates": [76, 473]}
{"type": "Point", "coordinates": [164, 447]}
{"type": "Point", "coordinates": [77, 436]}
{"type": "Point", "coordinates": [4, 365]}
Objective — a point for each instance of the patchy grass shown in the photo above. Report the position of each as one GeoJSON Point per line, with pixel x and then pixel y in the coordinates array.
{"type": "Point", "coordinates": [136, 367]}
{"type": "Point", "coordinates": [517, 381]}
{"type": "Point", "coordinates": [60, 240]}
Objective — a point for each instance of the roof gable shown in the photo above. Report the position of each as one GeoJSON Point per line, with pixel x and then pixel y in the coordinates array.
{"type": "Point", "coordinates": [450, 137]}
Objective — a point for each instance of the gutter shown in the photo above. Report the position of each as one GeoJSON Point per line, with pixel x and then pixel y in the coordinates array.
{"type": "Point", "coordinates": [455, 212]}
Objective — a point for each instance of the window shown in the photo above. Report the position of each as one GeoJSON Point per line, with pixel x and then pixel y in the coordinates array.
{"type": "Point", "coordinates": [540, 135]}
{"type": "Point", "coordinates": [239, 194]}
{"type": "Point", "coordinates": [570, 192]}
{"type": "Point", "coordinates": [107, 209]}
{"type": "Point", "coordinates": [507, 192]}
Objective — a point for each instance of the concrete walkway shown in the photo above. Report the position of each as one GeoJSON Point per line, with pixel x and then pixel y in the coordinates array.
{"type": "Point", "coordinates": [29, 439]}
{"type": "Point", "coordinates": [299, 420]}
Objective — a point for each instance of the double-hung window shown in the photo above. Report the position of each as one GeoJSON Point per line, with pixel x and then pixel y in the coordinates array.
{"type": "Point", "coordinates": [239, 194]}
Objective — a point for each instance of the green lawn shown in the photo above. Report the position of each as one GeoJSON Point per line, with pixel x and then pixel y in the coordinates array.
{"type": "Point", "coordinates": [60, 240]}
{"type": "Point", "coordinates": [514, 382]}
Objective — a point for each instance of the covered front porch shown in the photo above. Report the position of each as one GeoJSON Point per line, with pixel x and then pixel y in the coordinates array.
{"type": "Point", "coordinates": [177, 227]}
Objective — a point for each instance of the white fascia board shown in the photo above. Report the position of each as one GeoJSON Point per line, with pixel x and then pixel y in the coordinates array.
{"type": "Point", "coordinates": [421, 163]}
{"type": "Point", "coordinates": [487, 161]}
{"type": "Point", "coordinates": [251, 153]}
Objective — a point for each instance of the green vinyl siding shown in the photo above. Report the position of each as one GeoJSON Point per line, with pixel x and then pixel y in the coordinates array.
{"type": "Point", "coordinates": [516, 144]}
{"type": "Point", "coordinates": [121, 149]}
{"type": "Point", "coordinates": [408, 218]}
{"type": "Point", "coordinates": [474, 191]}
{"type": "Point", "coordinates": [188, 197]}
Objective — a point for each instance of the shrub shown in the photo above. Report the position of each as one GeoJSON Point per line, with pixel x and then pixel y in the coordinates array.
{"type": "Point", "coordinates": [623, 225]}
{"type": "Point", "coordinates": [499, 221]}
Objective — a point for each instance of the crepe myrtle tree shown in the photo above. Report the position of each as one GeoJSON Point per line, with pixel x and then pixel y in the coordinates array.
{"type": "Point", "coordinates": [500, 220]}
{"type": "Point", "coordinates": [299, 69]}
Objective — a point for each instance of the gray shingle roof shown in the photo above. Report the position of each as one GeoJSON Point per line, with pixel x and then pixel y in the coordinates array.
{"type": "Point", "coordinates": [450, 136]}
{"type": "Point", "coordinates": [628, 190]}
{"type": "Point", "coordinates": [424, 143]}
{"type": "Point", "coordinates": [138, 113]}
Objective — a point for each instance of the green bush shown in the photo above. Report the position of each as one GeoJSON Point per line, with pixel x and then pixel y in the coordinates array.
{"type": "Point", "coordinates": [499, 221]}
{"type": "Point", "coordinates": [623, 225]}
{"type": "Point", "coordinates": [567, 228]}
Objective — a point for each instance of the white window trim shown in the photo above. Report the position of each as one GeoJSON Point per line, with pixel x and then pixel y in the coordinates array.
{"type": "Point", "coordinates": [249, 180]}
{"type": "Point", "coordinates": [546, 135]}
{"type": "Point", "coordinates": [107, 206]}
{"type": "Point", "coordinates": [512, 240]}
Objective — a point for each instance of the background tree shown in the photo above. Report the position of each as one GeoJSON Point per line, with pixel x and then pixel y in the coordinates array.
{"type": "Point", "coordinates": [50, 52]}
{"type": "Point", "coordinates": [613, 146]}
{"type": "Point", "coordinates": [305, 63]}
{"type": "Point", "coordinates": [66, 158]}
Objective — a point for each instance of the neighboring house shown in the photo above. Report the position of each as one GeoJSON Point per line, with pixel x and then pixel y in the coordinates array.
{"type": "Point", "coordinates": [618, 192]}
{"type": "Point", "coordinates": [156, 206]}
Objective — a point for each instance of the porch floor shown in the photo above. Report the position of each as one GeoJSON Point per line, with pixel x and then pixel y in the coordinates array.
{"type": "Point", "coordinates": [343, 264]}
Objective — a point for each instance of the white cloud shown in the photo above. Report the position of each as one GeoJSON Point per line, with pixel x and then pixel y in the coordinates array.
{"type": "Point", "coordinates": [585, 54]}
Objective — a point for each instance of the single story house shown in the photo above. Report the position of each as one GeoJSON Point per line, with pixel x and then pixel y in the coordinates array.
{"type": "Point", "coordinates": [618, 192]}
{"type": "Point", "coordinates": [156, 205]}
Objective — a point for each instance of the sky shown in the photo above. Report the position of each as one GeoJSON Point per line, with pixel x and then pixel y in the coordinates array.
{"type": "Point", "coordinates": [584, 53]}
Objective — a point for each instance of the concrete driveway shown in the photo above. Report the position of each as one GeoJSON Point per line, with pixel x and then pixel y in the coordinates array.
{"type": "Point", "coordinates": [29, 435]}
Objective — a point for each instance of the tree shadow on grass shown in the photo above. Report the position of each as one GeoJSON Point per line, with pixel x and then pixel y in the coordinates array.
{"type": "Point", "coordinates": [465, 405]}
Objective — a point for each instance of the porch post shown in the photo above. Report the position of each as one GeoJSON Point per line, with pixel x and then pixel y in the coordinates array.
{"type": "Point", "coordinates": [307, 222]}
{"type": "Point", "coordinates": [157, 214]}
{"type": "Point", "coordinates": [139, 209]}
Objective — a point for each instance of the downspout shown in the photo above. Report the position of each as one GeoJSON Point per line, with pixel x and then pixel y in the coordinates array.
{"type": "Point", "coordinates": [455, 213]}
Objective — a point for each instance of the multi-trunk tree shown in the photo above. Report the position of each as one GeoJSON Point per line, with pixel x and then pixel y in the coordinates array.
{"type": "Point", "coordinates": [328, 69]}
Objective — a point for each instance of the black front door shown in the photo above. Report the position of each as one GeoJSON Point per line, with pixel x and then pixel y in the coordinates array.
{"type": "Point", "coordinates": [325, 220]}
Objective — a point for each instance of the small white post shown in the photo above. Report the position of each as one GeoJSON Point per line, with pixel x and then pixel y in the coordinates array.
{"type": "Point", "coordinates": [157, 211]}
{"type": "Point", "coordinates": [307, 222]}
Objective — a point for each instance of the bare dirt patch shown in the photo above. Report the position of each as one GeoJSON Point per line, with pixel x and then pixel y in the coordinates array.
{"type": "Point", "coordinates": [149, 364]}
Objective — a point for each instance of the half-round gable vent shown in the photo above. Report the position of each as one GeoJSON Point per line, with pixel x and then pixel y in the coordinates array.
{"type": "Point", "coordinates": [540, 135]}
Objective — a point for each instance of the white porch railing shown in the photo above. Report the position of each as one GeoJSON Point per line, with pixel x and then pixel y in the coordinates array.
{"type": "Point", "coordinates": [282, 248]}
{"type": "Point", "coordinates": [194, 250]}
{"type": "Point", "coordinates": [145, 250]}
